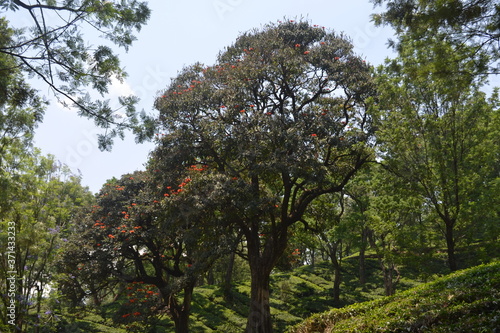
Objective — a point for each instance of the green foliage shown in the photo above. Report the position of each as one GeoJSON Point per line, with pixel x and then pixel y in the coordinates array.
{"type": "Point", "coordinates": [466, 301]}
{"type": "Point", "coordinates": [436, 132]}
{"type": "Point", "coordinates": [279, 120]}
{"type": "Point", "coordinates": [464, 23]}
{"type": "Point", "coordinates": [142, 231]}
{"type": "Point", "coordinates": [40, 199]}
{"type": "Point", "coordinates": [57, 52]}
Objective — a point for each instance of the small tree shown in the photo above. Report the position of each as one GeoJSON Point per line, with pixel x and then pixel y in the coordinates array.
{"type": "Point", "coordinates": [282, 116]}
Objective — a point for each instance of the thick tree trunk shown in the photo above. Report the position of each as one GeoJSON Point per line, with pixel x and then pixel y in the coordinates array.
{"type": "Point", "coordinates": [259, 318]}
{"type": "Point", "coordinates": [388, 285]}
{"type": "Point", "coordinates": [180, 312]}
{"type": "Point", "coordinates": [262, 261]}
{"type": "Point", "coordinates": [450, 246]}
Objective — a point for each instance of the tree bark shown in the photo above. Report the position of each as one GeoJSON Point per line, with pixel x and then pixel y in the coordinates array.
{"type": "Point", "coordinates": [450, 246]}
{"type": "Point", "coordinates": [334, 254]}
{"type": "Point", "coordinates": [362, 261]}
{"type": "Point", "coordinates": [336, 283]}
{"type": "Point", "coordinates": [180, 312]}
{"type": "Point", "coordinates": [261, 262]}
{"type": "Point", "coordinates": [259, 318]}
{"type": "Point", "coordinates": [228, 279]}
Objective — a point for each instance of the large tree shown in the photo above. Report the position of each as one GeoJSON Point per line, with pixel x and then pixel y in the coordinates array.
{"type": "Point", "coordinates": [438, 132]}
{"type": "Point", "coordinates": [282, 117]}
{"type": "Point", "coordinates": [40, 199]}
{"type": "Point", "coordinates": [465, 23]}
{"type": "Point", "coordinates": [55, 49]}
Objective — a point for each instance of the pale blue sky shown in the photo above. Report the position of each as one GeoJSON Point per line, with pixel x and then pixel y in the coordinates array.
{"type": "Point", "coordinates": [180, 33]}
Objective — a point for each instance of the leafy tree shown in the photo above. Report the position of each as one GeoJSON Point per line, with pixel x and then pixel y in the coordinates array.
{"type": "Point", "coordinates": [464, 23]}
{"type": "Point", "coordinates": [20, 108]}
{"type": "Point", "coordinates": [394, 217]}
{"type": "Point", "coordinates": [42, 198]}
{"type": "Point", "coordinates": [56, 51]}
{"type": "Point", "coordinates": [153, 235]}
{"type": "Point", "coordinates": [358, 203]}
{"type": "Point", "coordinates": [438, 133]}
{"type": "Point", "coordinates": [329, 220]}
{"type": "Point", "coordinates": [282, 117]}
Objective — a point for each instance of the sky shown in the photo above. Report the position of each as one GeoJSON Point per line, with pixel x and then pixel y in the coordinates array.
{"type": "Point", "coordinates": [178, 34]}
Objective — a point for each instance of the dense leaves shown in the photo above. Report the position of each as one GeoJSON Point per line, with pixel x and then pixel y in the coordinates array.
{"type": "Point", "coordinates": [465, 23]}
{"type": "Point", "coordinates": [283, 115]}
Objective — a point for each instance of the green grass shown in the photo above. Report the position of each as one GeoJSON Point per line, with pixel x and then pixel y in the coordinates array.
{"type": "Point", "coordinates": [465, 301]}
{"type": "Point", "coordinates": [304, 298]}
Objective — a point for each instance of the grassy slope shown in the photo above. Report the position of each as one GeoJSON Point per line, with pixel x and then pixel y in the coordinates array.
{"type": "Point", "coordinates": [465, 301]}
{"type": "Point", "coordinates": [307, 292]}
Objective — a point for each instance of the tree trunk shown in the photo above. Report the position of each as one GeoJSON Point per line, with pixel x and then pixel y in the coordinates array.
{"type": "Point", "coordinates": [362, 261]}
{"type": "Point", "coordinates": [389, 283]}
{"type": "Point", "coordinates": [180, 312]}
{"type": "Point", "coordinates": [450, 246]}
{"type": "Point", "coordinates": [228, 279]}
{"type": "Point", "coordinates": [334, 254]}
{"type": "Point", "coordinates": [336, 284]}
{"type": "Point", "coordinates": [262, 261]}
{"type": "Point", "coordinates": [313, 257]}
{"type": "Point", "coordinates": [259, 318]}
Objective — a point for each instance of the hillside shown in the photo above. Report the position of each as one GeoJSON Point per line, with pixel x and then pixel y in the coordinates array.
{"type": "Point", "coordinates": [465, 301]}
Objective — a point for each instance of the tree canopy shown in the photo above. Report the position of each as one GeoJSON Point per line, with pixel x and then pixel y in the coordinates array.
{"type": "Point", "coordinates": [55, 49]}
{"type": "Point", "coordinates": [282, 116]}
{"type": "Point", "coordinates": [468, 23]}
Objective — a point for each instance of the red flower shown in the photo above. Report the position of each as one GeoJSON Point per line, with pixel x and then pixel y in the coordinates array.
{"type": "Point", "coordinates": [306, 52]}
{"type": "Point", "coordinates": [111, 236]}
{"type": "Point", "coordinates": [314, 134]}
{"type": "Point", "coordinates": [297, 45]}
